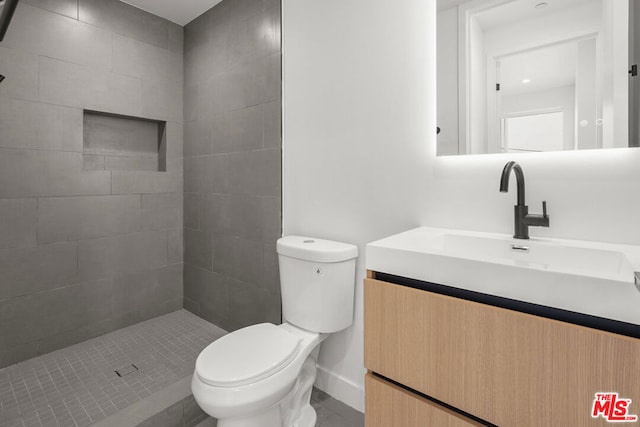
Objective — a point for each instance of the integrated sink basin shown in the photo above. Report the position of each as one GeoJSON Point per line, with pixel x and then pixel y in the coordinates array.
{"type": "Point", "coordinates": [590, 278]}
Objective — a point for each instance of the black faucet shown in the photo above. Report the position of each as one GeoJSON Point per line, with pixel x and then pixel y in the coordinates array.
{"type": "Point", "coordinates": [522, 219]}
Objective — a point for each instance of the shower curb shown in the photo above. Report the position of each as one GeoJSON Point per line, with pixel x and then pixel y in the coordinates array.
{"type": "Point", "coordinates": [141, 411]}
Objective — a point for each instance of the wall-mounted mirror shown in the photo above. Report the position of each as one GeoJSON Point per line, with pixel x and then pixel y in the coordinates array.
{"type": "Point", "coordinates": [537, 75]}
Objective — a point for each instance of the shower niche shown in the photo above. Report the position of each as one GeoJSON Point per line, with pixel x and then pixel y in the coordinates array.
{"type": "Point", "coordinates": [123, 143]}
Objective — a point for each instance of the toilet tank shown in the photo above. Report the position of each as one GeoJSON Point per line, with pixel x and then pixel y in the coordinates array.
{"type": "Point", "coordinates": [317, 280]}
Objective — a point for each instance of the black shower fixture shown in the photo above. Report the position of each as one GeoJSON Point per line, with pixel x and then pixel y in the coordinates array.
{"type": "Point", "coordinates": [1, 78]}
{"type": "Point", "coordinates": [7, 7]}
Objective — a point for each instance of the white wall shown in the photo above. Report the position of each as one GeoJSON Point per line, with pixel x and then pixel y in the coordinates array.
{"type": "Point", "coordinates": [359, 153]}
{"type": "Point", "coordinates": [359, 128]}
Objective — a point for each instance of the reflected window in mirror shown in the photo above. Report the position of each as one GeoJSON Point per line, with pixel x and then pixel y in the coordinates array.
{"type": "Point", "coordinates": [533, 75]}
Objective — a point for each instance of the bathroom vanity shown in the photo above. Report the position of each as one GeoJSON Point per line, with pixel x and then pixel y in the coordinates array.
{"type": "Point", "coordinates": [449, 354]}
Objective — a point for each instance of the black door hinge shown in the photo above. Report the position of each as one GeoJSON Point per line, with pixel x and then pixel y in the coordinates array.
{"type": "Point", "coordinates": [634, 70]}
{"type": "Point", "coordinates": [497, 86]}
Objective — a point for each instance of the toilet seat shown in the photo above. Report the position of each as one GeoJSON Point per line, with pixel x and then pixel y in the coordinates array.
{"type": "Point", "coordinates": [247, 355]}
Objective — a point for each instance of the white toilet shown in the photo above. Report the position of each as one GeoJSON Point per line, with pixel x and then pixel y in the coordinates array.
{"type": "Point", "coordinates": [262, 375]}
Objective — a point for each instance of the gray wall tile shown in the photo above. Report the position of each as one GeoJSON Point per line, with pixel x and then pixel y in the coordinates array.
{"type": "Point", "coordinates": [235, 11]}
{"type": "Point", "coordinates": [138, 59]}
{"type": "Point", "coordinates": [18, 223]}
{"type": "Point", "coordinates": [250, 304]}
{"type": "Point", "coordinates": [159, 100]}
{"type": "Point", "coordinates": [92, 162]}
{"type": "Point", "coordinates": [192, 100]}
{"type": "Point", "coordinates": [64, 7]}
{"type": "Point", "coordinates": [86, 217]}
{"type": "Point", "coordinates": [198, 135]}
{"type": "Point", "coordinates": [256, 173]}
{"type": "Point", "coordinates": [38, 268]}
{"type": "Point", "coordinates": [127, 182]}
{"type": "Point", "coordinates": [175, 241]}
{"type": "Point", "coordinates": [174, 139]}
{"type": "Point", "coordinates": [206, 60]}
{"type": "Point", "coordinates": [199, 31]}
{"type": "Point", "coordinates": [21, 71]}
{"type": "Point", "coordinates": [159, 216]}
{"type": "Point", "coordinates": [238, 258]}
{"type": "Point", "coordinates": [40, 32]}
{"type": "Point", "coordinates": [263, 79]}
{"type": "Point", "coordinates": [206, 174]}
{"type": "Point", "coordinates": [252, 37]}
{"type": "Point", "coordinates": [161, 201]}
{"type": "Point", "coordinates": [127, 20]}
{"type": "Point", "coordinates": [252, 217]}
{"type": "Point", "coordinates": [131, 163]}
{"type": "Point", "coordinates": [141, 293]}
{"type": "Point", "coordinates": [166, 219]}
{"type": "Point", "coordinates": [49, 319]}
{"type": "Point", "coordinates": [272, 118]}
{"type": "Point", "coordinates": [109, 256]}
{"type": "Point", "coordinates": [232, 90]}
{"type": "Point", "coordinates": [176, 38]}
{"type": "Point", "coordinates": [197, 248]}
{"type": "Point", "coordinates": [116, 59]}
{"type": "Point", "coordinates": [207, 289]}
{"type": "Point", "coordinates": [32, 173]}
{"type": "Point", "coordinates": [57, 128]}
{"type": "Point", "coordinates": [239, 130]}
{"type": "Point", "coordinates": [271, 271]}
{"type": "Point", "coordinates": [232, 165]}
{"type": "Point", "coordinates": [60, 310]}
{"type": "Point", "coordinates": [14, 353]}
{"type": "Point", "coordinates": [191, 207]}
{"type": "Point", "coordinates": [64, 83]}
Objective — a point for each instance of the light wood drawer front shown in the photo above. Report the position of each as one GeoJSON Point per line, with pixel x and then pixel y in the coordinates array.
{"type": "Point", "coordinates": [390, 406]}
{"type": "Point", "coordinates": [506, 367]}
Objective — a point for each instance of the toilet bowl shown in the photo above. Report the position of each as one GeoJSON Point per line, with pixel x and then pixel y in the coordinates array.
{"type": "Point", "coordinates": [262, 375]}
{"type": "Point", "coordinates": [253, 371]}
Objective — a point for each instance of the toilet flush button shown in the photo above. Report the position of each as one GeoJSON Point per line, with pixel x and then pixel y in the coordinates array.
{"type": "Point", "coordinates": [317, 271]}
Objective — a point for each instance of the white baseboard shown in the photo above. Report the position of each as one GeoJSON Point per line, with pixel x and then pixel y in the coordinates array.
{"type": "Point", "coordinates": [340, 388]}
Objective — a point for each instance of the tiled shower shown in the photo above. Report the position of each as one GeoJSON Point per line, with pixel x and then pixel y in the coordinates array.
{"type": "Point", "coordinates": [86, 248]}
{"type": "Point", "coordinates": [140, 168]}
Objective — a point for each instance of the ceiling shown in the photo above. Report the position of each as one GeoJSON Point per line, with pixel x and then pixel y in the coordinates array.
{"type": "Point", "coordinates": [181, 12]}
{"type": "Point", "coordinates": [546, 68]}
{"type": "Point", "coordinates": [514, 11]}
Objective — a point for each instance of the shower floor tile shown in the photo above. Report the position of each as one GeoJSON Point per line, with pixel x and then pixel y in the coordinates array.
{"type": "Point", "coordinates": [78, 386]}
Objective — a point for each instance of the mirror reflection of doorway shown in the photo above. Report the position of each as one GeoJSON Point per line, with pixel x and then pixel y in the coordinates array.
{"type": "Point", "coordinates": [541, 131]}
{"type": "Point", "coordinates": [553, 90]}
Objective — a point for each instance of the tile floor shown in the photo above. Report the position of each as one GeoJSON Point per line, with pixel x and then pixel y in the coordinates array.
{"type": "Point", "coordinates": [333, 413]}
{"type": "Point", "coordinates": [77, 386]}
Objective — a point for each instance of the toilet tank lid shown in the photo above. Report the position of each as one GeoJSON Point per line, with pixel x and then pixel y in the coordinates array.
{"type": "Point", "coordinates": [316, 250]}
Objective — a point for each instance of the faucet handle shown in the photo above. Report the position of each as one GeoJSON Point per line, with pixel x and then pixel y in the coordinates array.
{"type": "Point", "coordinates": [544, 208]}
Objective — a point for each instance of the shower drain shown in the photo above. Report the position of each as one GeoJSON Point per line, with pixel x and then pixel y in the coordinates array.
{"type": "Point", "coordinates": [129, 369]}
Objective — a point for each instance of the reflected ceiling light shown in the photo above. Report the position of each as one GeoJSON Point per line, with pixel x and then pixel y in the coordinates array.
{"type": "Point", "coordinates": [541, 5]}
{"type": "Point", "coordinates": [525, 81]}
